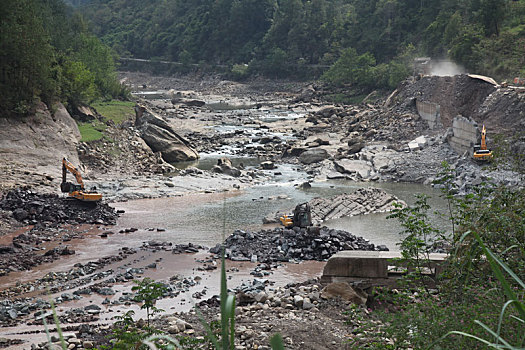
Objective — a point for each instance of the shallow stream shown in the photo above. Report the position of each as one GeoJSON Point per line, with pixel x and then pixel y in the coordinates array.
{"type": "Point", "coordinates": [206, 219]}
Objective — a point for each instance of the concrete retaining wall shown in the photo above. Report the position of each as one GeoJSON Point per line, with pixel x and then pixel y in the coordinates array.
{"type": "Point", "coordinates": [372, 268]}
{"type": "Point", "coordinates": [465, 135]}
{"type": "Point", "coordinates": [430, 112]}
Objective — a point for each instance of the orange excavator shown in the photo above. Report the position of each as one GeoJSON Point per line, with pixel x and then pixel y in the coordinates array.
{"type": "Point", "coordinates": [481, 152]}
{"type": "Point", "coordinates": [76, 191]}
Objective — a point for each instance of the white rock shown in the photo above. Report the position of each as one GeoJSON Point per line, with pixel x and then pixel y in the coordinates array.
{"type": "Point", "coordinates": [298, 300]}
{"type": "Point", "coordinates": [413, 146]}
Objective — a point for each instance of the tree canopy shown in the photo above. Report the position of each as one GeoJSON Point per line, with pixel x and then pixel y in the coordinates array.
{"type": "Point", "coordinates": [47, 53]}
{"type": "Point", "coordinates": [367, 43]}
{"type": "Point", "coordinates": [281, 37]}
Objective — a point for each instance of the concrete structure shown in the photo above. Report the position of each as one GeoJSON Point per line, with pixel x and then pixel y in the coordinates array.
{"type": "Point", "coordinates": [430, 112]}
{"type": "Point", "coordinates": [367, 269]}
{"type": "Point", "coordinates": [465, 135]}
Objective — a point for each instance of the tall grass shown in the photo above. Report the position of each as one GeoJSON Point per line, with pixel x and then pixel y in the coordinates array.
{"type": "Point", "coordinates": [498, 268]}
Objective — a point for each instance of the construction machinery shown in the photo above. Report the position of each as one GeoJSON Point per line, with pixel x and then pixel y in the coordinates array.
{"type": "Point", "coordinates": [481, 152]}
{"type": "Point", "coordinates": [302, 217]}
{"type": "Point", "coordinates": [76, 191]}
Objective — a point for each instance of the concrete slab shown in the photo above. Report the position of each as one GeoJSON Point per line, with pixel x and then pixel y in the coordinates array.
{"type": "Point", "coordinates": [370, 268]}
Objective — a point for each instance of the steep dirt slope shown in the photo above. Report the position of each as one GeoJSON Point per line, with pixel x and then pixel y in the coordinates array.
{"type": "Point", "coordinates": [31, 149]}
{"type": "Point", "coordinates": [501, 109]}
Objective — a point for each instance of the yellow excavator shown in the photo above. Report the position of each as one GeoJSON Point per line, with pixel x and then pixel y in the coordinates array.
{"type": "Point", "coordinates": [302, 217]}
{"type": "Point", "coordinates": [76, 191]}
{"type": "Point", "coordinates": [481, 152]}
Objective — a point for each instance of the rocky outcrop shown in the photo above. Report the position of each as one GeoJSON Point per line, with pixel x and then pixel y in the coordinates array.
{"type": "Point", "coordinates": [361, 168]}
{"type": "Point", "coordinates": [313, 156]}
{"type": "Point", "coordinates": [161, 137]}
{"type": "Point", "coordinates": [224, 166]}
{"type": "Point", "coordinates": [362, 201]}
{"type": "Point", "coordinates": [32, 148]}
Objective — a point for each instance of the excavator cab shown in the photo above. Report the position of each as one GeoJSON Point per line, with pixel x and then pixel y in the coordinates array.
{"type": "Point", "coordinates": [76, 191]}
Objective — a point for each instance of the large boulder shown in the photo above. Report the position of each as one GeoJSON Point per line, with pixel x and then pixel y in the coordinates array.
{"type": "Point", "coordinates": [161, 137]}
{"type": "Point", "coordinates": [224, 166]}
{"type": "Point", "coordinates": [361, 168]}
{"type": "Point", "coordinates": [313, 156]}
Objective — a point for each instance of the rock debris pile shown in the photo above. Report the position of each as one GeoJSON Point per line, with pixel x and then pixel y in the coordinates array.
{"type": "Point", "coordinates": [281, 244]}
{"type": "Point", "coordinates": [31, 208]}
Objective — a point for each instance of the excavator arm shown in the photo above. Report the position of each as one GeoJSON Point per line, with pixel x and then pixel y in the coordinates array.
{"type": "Point", "coordinates": [67, 166]}
{"type": "Point", "coordinates": [483, 135]}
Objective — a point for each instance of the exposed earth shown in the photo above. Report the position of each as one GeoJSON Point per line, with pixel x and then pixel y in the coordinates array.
{"type": "Point", "coordinates": [52, 247]}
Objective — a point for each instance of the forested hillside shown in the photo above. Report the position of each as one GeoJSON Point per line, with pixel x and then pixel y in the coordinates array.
{"type": "Point", "coordinates": [47, 53]}
{"type": "Point", "coordinates": [283, 37]}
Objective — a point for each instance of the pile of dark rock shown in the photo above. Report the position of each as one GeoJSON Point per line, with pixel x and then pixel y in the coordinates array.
{"type": "Point", "coordinates": [32, 208]}
{"type": "Point", "coordinates": [282, 244]}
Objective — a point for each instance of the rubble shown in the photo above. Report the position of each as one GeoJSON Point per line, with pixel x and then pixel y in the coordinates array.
{"type": "Point", "coordinates": [32, 208]}
{"type": "Point", "coordinates": [282, 244]}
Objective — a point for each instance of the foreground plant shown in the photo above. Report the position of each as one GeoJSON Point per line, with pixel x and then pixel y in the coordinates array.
{"type": "Point", "coordinates": [498, 268]}
{"type": "Point", "coordinates": [420, 240]}
{"type": "Point", "coordinates": [479, 303]}
{"type": "Point", "coordinates": [148, 292]}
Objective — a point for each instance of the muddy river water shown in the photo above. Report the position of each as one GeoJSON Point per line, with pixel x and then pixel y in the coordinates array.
{"type": "Point", "coordinates": [205, 219]}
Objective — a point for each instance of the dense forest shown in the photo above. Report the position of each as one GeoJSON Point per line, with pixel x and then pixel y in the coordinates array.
{"type": "Point", "coordinates": [48, 50]}
{"type": "Point", "coordinates": [47, 53]}
{"type": "Point", "coordinates": [373, 40]}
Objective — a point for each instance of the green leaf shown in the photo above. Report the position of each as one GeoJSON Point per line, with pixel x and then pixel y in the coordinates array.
{"type": "Point", "coordinates": [276, 342]}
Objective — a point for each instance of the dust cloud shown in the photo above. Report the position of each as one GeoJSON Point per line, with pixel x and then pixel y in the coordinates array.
{"type": "Point", "coordinates": [446, 68]}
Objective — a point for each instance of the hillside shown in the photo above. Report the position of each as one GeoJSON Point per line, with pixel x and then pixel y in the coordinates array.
{"type": "Point", "coordinates": [47, 54]}
{"type": "Point", "coordinates": [278, 37]}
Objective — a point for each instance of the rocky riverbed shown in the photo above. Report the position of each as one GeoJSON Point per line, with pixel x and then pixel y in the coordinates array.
{"type": "Point", "coordinates": [288, 136]}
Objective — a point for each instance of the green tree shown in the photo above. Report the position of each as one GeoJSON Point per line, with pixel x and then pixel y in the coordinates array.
{"type": "Point", "coordinates": [351, 68]}
{"type": "Point", "coordinates": [463, 48]}
{"type": "Point", "coordinates": [78, 85]}
{"type": "Point", "coordinates": [26, 57]}
{"type": "Point", "coordinates": [147, 292]}
{"type": "Point", "coordinates": [492, 13]}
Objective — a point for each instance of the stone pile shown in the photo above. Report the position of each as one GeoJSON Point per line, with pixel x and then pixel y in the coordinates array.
{"type": "Point", "coordinates": [31, 208]}
{"type": "Point", "coordinates": [282, 244]}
